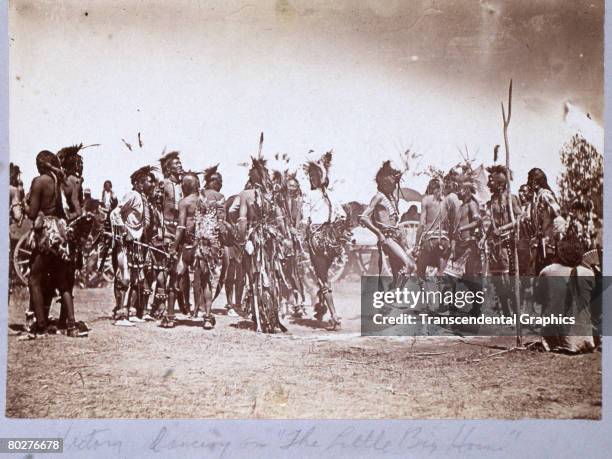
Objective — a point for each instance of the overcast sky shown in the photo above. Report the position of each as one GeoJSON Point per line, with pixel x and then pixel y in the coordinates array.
{"type": "Point", "coordinates": [366, 78]}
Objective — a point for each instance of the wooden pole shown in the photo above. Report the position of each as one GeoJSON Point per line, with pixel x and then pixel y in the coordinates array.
{"type": "Point", "coordinates": [517, 290]}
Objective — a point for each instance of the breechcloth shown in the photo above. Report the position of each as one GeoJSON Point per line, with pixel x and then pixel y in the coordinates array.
{"type": "Point", "coordinates": [136, 257]}
{"type": "Point", "coordinates": [324, 241]}
{"type": "Point", "coordinates": [438, 234]}
{"type": "Point", "coordinates": [502, 257]}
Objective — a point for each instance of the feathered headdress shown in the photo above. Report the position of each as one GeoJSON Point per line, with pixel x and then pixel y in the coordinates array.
{"type": "Point", "coordinates": [387, 170]}
{"type": "Point", "coordinates": [209, 172]}
{"type": "Point", "coordinates": [318, 171]}
{"type": "Point", "coordinates": [69, 152]}
{"type": "Point", "coordinates": [468, 177]}
{"type": "Point", "coordinates": [499, 169]}
{"type": "Point", "coordinates": [68, 156]}
{"type": "Point", "coordinates": [141, 173]}
{"type": "Point", "coordinates": [259, 164]}
{"type": "Point", "coordinates": [454, 178]}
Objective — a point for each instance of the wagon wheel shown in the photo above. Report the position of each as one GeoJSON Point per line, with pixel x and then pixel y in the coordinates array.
{"type": "Point", "coordinates": [21, 258]}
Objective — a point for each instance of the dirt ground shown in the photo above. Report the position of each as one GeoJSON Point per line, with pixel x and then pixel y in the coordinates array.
{"type": "Point", "coordinates": [232, 372]}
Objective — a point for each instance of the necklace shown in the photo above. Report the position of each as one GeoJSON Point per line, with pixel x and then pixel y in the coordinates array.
{"type": "Point", "coordinates": [390, 205]}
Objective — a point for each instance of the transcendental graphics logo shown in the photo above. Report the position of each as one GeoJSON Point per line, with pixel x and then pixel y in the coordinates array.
{"type": "Point", "coordinates": [477, 306]}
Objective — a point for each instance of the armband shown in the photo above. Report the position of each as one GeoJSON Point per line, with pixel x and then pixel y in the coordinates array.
{"type": "Point", "coordinates": [241, 218]}
{"type": "Point", "coordinates": [181, 227]}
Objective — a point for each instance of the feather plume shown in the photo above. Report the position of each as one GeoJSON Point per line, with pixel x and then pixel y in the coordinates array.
{"type": "Point", "coordinates": [129, 146]}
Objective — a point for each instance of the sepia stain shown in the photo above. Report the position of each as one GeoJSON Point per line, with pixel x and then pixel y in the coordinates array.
{"type": "Point", "coordinates": [284, 11]}
{"type": "Point", "coordinates": [18, 78]}
{"type": "Point", "coordinates": [488, 7]}
{"type": "Point", "coordinates": [168, 373]}
{"type": "Point", "coordinates": [86, 13]}
{"type": "Point", "coordinates": [280, 396]}
{"type": "Point", "coordinates": [23, 8]}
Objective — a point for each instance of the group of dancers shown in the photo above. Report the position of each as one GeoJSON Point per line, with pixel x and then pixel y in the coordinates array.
{"type": "Point", "coordinates": [271, 242]}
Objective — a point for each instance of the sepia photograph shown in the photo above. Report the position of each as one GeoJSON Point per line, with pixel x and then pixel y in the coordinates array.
{"type": "Point", "coordinates": [305, 209]}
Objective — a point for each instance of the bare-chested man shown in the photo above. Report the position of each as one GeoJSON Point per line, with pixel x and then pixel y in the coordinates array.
{"type": "Point", "coordinates": [72, 187]}
{"type": "Point", "coordinates": [465, 241]}
{"type": "Point", "coordinates": [184, 246]}
{"type": "Point", "coordinates": [433, 234]}
{"type": "Point", "coordinates": [211, 193]}
{"type": "Point", "coordinates": [327, 233]}
{"type": "Point", "coordinates": [256, 205]}
{"type": "Point", "coordinates": [172, 170]}
{"type": "Point", "coordinates": [213, 198]}
{"type": "Point", "coordinates": [451, 187]}
{"type": "Point", "coordinates": [72, 164]}
{"type": "Point", "coordinates": [213, 236]}
{"type": "Point", "coordinates": [382, 218]}
{"type": "Point", "coordinates": [501, 230]}
{"type": "Point", "coordinates": [501, 236]}
{"type": "Point", "coordinates": [50, 260]}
